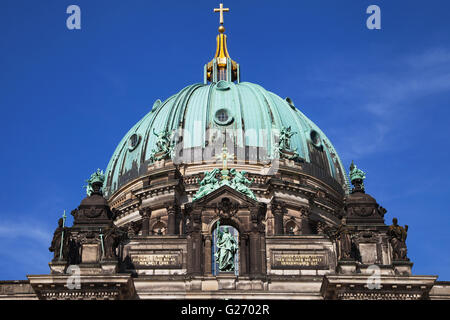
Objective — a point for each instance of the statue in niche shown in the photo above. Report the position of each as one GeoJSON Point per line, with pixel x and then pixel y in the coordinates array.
{"type": "Point", "coordinates": [226, 249]}
{"type": "Point", "coordinates": [397, 237]}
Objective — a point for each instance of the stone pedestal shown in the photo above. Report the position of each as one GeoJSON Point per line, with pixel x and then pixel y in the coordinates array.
{"type": "Point", "coordinates": [90, 253]}
{"type": "Point", "coordinates": [402, 268]}
{"type": "Point", "coordinates": [227, 281]}
{"type": "Point", "coordinates": [211, 284]}
{"type": "Point", "coordinates": [370, 269]}
{"type": "Point", "coordinates": [58, 267]}
{"type": "Point", "coordinates": [161, 162]}
{"type": "Point", "coordinates": [109, 266]}
{"type": "Point", "coordinates": [371, 287]}
{"type": "Point", "coordinates": [346, 267]}
{"type": "Point", "coordinates": [90, 268]}
{"type": "Point", "coordinates": [89, 287]}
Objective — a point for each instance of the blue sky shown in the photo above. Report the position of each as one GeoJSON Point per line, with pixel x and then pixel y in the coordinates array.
{"type": "Point", "coordinates": [68, 96]}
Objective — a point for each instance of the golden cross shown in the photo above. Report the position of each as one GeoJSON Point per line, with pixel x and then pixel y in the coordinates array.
{"type": "Point", "coordinates": [225, 156]}
{"type": "Point", "coordinates": [221, 9]}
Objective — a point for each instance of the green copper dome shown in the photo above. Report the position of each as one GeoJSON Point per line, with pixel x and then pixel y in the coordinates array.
{"type": "Point", "coordinates": [243, 114]}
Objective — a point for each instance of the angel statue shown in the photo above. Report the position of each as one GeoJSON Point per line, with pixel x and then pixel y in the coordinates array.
{"type": "Point", "coordinates": [241, 183]}
{"type": "Point", "coordinates": [208, 184]}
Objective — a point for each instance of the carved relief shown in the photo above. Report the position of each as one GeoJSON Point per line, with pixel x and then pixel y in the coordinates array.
{"type": "Point", "coordinates": [226, 208]}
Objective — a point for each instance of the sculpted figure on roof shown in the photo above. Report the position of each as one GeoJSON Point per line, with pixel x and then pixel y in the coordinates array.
{"type": "Point", "coordinates": [164, 145]}
{"type": "Point", "coordinates": [96, 178]}
{"type": "Point", "coordinates": [208, 184]}
{"type": "Point", "coordinates": [241, 183]}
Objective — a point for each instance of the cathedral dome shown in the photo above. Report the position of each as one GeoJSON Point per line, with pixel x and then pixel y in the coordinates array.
{"type": "Point", "coordinates": [224, 117]}
{"type": "Point", "coordinates": [248, 117]}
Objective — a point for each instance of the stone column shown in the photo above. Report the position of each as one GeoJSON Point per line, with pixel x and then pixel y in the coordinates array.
{"type": "Point", "coordinates": [207, 254]}
{"type": "Point", "coordinates": [171, 211]}
{"type": "Point", "coordinates": [262, 240]}
{"type": "Point", "coordinates": [196, 253]}
{"type": "Point", "coordinates": [194, 244]}
{"type": "Point", "coordinates": [190, 262]}
{"type": "Point", "coordinates": [277, 211]}
{"type": "Point", "coordinates": [255, 250]}
{"type": "Point", "coordinates": [305, 227]}
{"type": "Point", "coordinates": [145, 213]}
{"type": "Point", "coordinates": [243, 249]}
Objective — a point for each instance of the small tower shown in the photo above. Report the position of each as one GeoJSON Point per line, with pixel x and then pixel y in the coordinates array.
{"type": "Point", "coordinates": [221, 67]}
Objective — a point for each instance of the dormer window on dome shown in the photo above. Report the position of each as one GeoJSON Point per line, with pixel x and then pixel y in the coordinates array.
{"type": "Point", "coordinates": [223, 117]}
{"type": "Point", "coordinates": [133, 141]}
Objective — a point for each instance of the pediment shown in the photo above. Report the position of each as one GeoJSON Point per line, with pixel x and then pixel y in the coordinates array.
{"type": "Point", "coordinates": [226, 191]}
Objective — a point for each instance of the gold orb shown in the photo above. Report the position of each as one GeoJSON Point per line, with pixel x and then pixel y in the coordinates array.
{"type": "Point", "coordinates": [221, 29]}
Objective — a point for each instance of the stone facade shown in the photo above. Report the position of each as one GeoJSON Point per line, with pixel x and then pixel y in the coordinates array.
{"type": "Point", "coordinates": [301, 239]}
{"type": "Point", "coordinates": [232, 154]}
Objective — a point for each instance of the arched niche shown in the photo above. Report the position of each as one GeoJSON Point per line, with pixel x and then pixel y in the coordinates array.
{"type": "Point", "coordinates": [214, 234]}
{"type": "Point", "coordinates": [159, 228]}
{"type": "Point", "coordinates": [291, 228]}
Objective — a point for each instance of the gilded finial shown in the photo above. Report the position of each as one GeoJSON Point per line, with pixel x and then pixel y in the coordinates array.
{"type": "Point", "coordinates": [221, 67]}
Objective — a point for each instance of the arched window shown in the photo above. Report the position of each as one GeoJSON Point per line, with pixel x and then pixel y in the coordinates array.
{"type": "Point", "coordinates": [215, 265]}
{"type": "Point", "coordinates": [159, 228]}
{"type": "Point", "coordinates": [291, 228]}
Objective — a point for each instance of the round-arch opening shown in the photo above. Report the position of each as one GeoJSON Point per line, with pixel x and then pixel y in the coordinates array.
{"type": "Point", "coordinates": [159, 228]}
{"type": "Point", "coordinates": [225, 248]}
{"type": "Point", "coordinates": [291, 228]}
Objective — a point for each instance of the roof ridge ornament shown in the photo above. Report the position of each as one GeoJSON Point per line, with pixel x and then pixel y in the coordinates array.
{"type": "Point", "coordinates": [164, 145]}
{"type": "Point", "coordinates": [282, 148]}
{"type": "Point", "coordinates": [357, 177]}
{"type": "Point", "coordinates": [221, 10]}
{"type": "Point", "coordinates": [95, 183]}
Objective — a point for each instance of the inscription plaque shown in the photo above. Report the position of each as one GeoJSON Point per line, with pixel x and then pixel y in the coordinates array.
{"type": "Point", "coordinates": [157, 260]}
{"type": "Point", "coordinates": [298, 260]}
